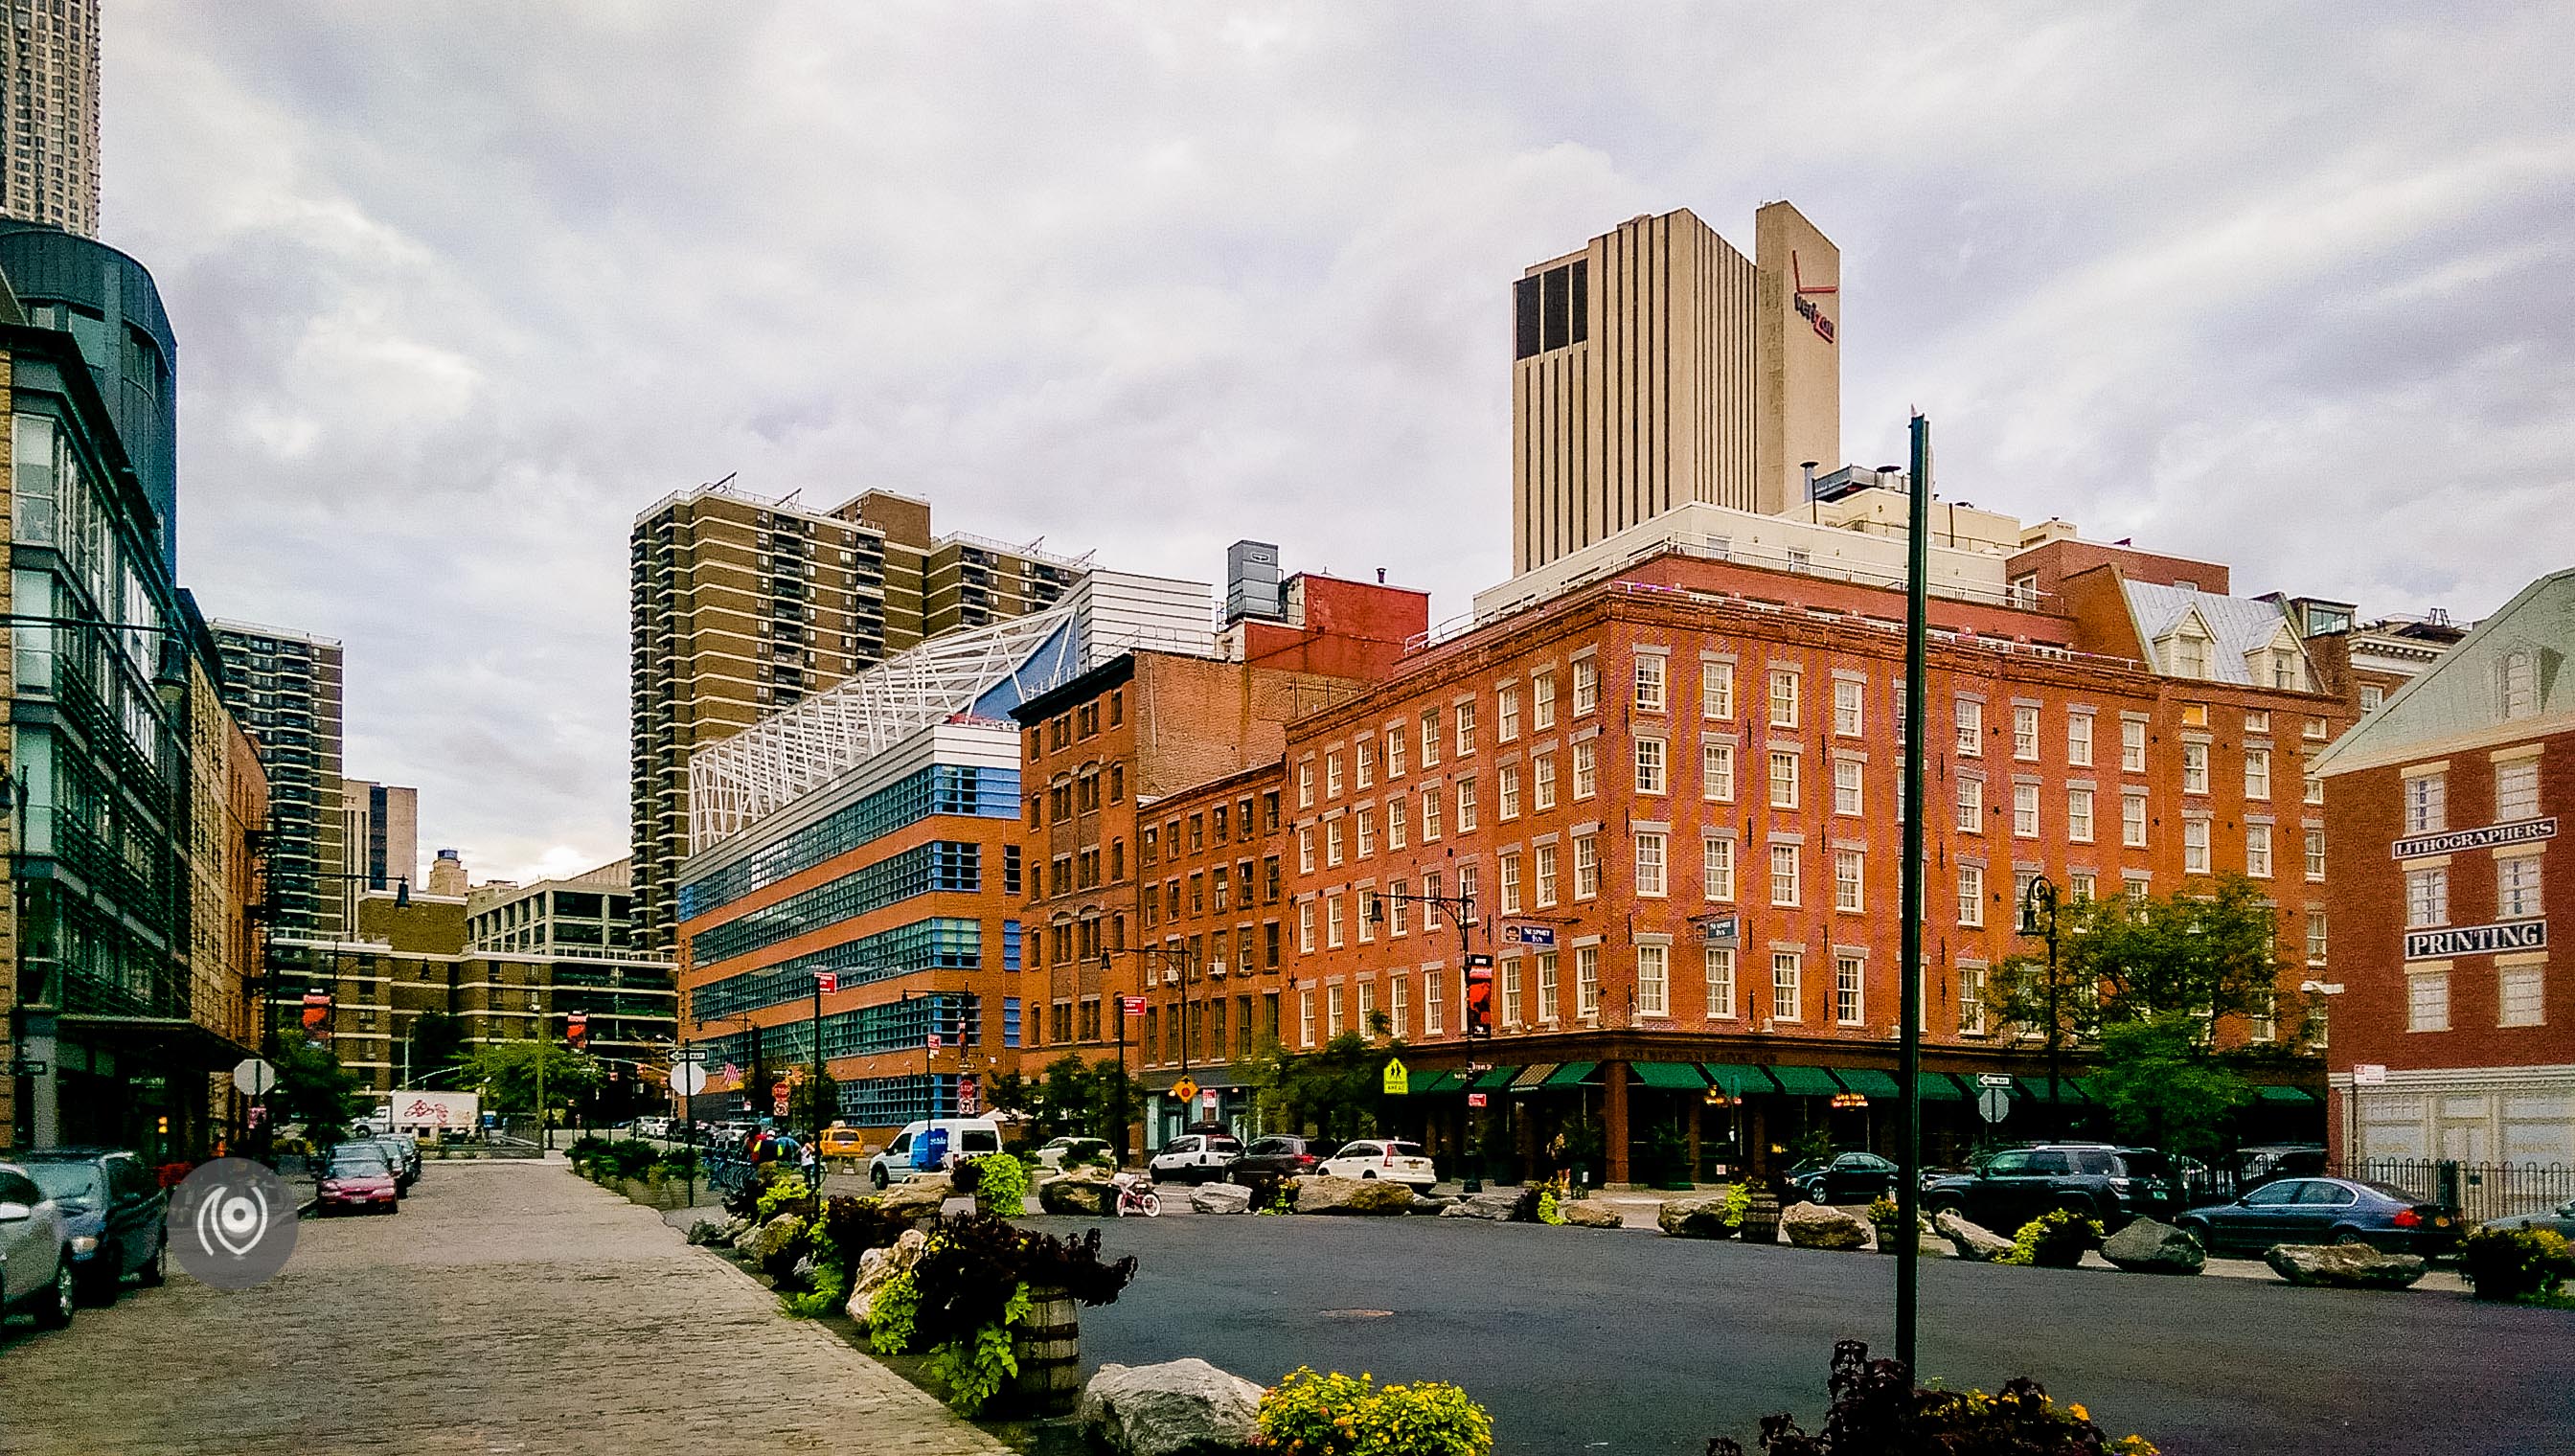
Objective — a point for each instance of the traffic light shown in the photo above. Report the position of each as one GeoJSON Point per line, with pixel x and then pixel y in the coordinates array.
{"type": "Point", "coordinates": [577, 1029]}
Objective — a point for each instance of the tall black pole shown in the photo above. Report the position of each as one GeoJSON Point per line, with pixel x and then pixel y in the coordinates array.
{"type": "Point", "coordinates": [1908, 1178]}
{"type": "Point", "coordinates": [814, 1092]}
{"type": "Point", "coordinates": [1121, 1099]}
{"type": "Point", "coordinates": [2055, 1024]}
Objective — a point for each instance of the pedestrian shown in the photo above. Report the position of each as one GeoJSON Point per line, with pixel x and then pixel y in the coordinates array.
{"type": "Point", "coordinates": [813, 1165]}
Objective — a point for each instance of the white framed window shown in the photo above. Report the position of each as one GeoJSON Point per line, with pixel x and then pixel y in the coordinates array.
{"type": "Point", "coordinates": [2257, 851]}
{"type": "Point", "coordinates": [2520, 683]}
{"type": "Point", "coordinates": [1305, 785]}
{"type": "Point", "coordinates": [1332, 843]}
{"type": "Point", "coordinates": [1430, 814]}
{"type": "Point", "coordinates": [2427, 803]}
{"type": "Point", "coordinates": [2314, 790]}
{"type": "Point", "coordinates": [1783, 697]}
{"type": "Point", "coordinates": [1305, 1018]}
{"type": "Point", "coordinates": [1331, 923]}
{"type": "Point", "coordinates": [1783, 779]}
{"type": "Point", "coordinates": [1784, 874]}
{"type": "Point", "coordinates": [1542, 701]}
{"type": "Point", "coordinates": [2516, 790]}
{"type": "Point", "coordinates": [2316, 938]}
{"type": "Point", "coordinates": [1587, 866]}
{"type": "Point", "coordinates": [2078, 815]}
{"type": "Point", "coordinates": [1465, 726]}
{"type": "Point", "coordinates": [1849, 712]}
{"type": "Point", "coordinates": [1306, 927]}
{"type": "Point", "coordinates": [2521, 995]}
{"type": "Point", "coordinates": [1394, 750]}
{"type": "Point", "coordinates": [2315, 855]}
{"type": "Point", "coordinates": [1717, 772]}
{"type": "Point", "coordinates": [1399, 1007]}
{"type": "Point", "coordinates": [1586, 982]}
{"type": "Point", "coordinates": [1466, 805]}
{"type": "Point", "coordinates": [2079, 885]}
{"type": "Point", "coordinates": [1395, 822]}
{"type": "Point", "coordinates": [1433, 985]}
{"type": "Point", "coordinates": [1545, 856]}
{"type": "Point", "coordinates": [1849, 880]}
{"type": "Point", "coordinates": [1586, 768]}
{"type": "Point", "coordinates": [1972, 1000]}
{"type": "Point", "coordinates": [1506, 786]}
{"type": "Point", "coordinates": [1542, 782]}
{"type": "Point", "coordinates": [1651, 683]}
{"type": "Point", "coordinates": [1364, 822]}
{"type": "Point", "coordinates": [2195, 847]}
{"type": "Point", "coordinates": [1651, 777]}
{"type": "Point", "coordinates": [2133, 746]}
{"type": "Point", "coordinates": [2024, 730]}
{"type": "Point", "coordinates": [1587, 685]}
{"type": "Point", "coordinates": [1653, 981]}
{"type": "Point", "coordinates": [1364, 762]}
{"type": "Point", "coordinates": [1305, 850]}
{"type": "Point", "coordinates": [2371, 696]}
{"type": "Point", "coordinates": [1850, 986]}
{"type": "Point", "coordinates": [1547, 988]}
{"type": "Point", "coordinates": [1787, 990]}
{"type": "Point", "coordinates": [1970, 740]}
{"type": "Point", "coordinates": [1398, 908]}
{"type": "Point", "coordinates": [1365, 916]}
{"type": "Point", "coordinates": [1332, 1012]}
{"type": "Point", "coordinates": [2026, 811]}
{"type": "Point", "coordinates": [1971, 894]}
{"type": "Point", "coordinates": [1507, 874]}
{"type": "Point", "coordinates": [2427, 1000]}
{"type": "Point", "coordinates": [2257, 774]}
{"type": "Point", "coordinates": [2078, 739]}
{"type": "Point", "coordinates": [1511, 981]}
{"type": "Point", "coordinates": [1430, 738]}
{"type": "Point", "coordinates": [1847, 780]}
{"type": "Point", "coordinates": [1651, 880]}
{"type": "Point", "coordinates": [2132, 820]}
{"type": "Point", "coordinates": [1506, 712]}
{"type": "Point", "coordinates": [2194, 767]}
{"type": "Point", "coordinates": [1716, 873]}
{"type": "Point", "coordinates": [1716, 690]}
{"type": "Point", "coordinates": [2517, 887]}
{"type": "Point", "coordinates": [2261, 1016]}
{"type": "Point", "coordinates": [1332, 774]}
{"type": "Point", "coordinates": [1972, 806]}
{"type": "Point", "coordinates": [1719, 963]}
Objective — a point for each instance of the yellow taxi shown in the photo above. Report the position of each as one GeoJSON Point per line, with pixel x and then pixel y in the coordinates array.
{"type": "Point", "coordinates": [841, 1141]}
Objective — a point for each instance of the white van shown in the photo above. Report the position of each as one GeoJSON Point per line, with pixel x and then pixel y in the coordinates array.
{"type": "Point", "coordinates": [914, 1150]}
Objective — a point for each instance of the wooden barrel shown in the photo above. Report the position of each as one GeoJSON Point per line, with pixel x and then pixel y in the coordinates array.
{"type": "Point", "coordinates": [1761, 1217]}
{"type": "Point", "coordinates": [1048, 1345]}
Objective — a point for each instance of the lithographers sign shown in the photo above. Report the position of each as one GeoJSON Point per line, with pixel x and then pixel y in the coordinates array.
{"type": "Point", "coordinates": [2493, 836]}
{"type": "Point", "coordinates": [2476, 940]}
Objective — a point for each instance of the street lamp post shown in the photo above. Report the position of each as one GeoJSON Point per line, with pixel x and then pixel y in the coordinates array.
{"type": "Point", "coordinates": [1475, 1020]}
{"type": "Point", "coordinates": [1179, 958]}
{"type": "Point", "coordinates": [2037, 901]}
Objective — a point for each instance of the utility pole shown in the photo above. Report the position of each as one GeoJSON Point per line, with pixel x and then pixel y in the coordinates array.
{"type": "Point", "coordinates": [545, 1050]}
{"type": "Point", "coordinates": [1179, 958]}
{"type": "Point", "coordinates": [2040, 898]}
{"type": "Point", "coordinates": [814, 1089]}
{"type": "Point", "coordinates": [1908, 1177]}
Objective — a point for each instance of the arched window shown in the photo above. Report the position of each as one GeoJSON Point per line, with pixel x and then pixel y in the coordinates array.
{"type": "Point", "coordinates": [2520, 683]}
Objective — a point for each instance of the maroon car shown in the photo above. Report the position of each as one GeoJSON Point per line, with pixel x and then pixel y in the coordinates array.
{"type": "Point", "coordinates": [357, 1177]}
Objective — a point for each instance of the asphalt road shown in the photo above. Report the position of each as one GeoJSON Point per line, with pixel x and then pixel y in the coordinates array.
{"type": "Point", "coordinates": [1583, 1341]}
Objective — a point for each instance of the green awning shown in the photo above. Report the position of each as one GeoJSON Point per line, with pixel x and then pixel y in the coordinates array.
{"type": "Point", "coordinates": [1805, 1081]}
{"type": "Point", "coordinates": [1573, 1075]}
{"type": "Point", "coordinates": [1869, 1083]}
{"type": "Point", "coordinates": [1430, 1082]}
{"type": "Point", "coordinates": [2288, 1094]}
{"type": "Point", "coordinates": [1496, 1080]}
{"type": "Point", "coordinates": [1736, 1079]}
{"type": "Point", "coordinates": [1532, 1075]}
{"type": "Point", "coordinates": [2066, 1091]}
{"type": "Point", "coordinates": [1939, 1088]}
{"type": "Point", "coordinates": [1672, 1076]}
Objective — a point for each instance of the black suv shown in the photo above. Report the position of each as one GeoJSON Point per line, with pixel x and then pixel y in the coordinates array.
{"type": "Point", "coordinates": [2094, 1179]}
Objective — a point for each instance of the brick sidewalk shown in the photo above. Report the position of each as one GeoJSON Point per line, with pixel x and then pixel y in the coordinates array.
{"type": "Point", "coordinates": [511, 1307]}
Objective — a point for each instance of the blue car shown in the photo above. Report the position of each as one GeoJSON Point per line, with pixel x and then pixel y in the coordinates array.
{"type": "Point", "coordinates": [115, 1212]}
{"type": "Point", "coordinates": [2324, 1211]}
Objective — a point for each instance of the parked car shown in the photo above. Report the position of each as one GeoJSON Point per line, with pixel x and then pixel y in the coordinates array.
{"type": "Point", "coordinates": [841, 1141]}
{"type": "Point", "coordinates": [1070, 1152]}
{"type": "Point", "coordinates": [1282, 1156]}
{"type": "Point", "coordinates": [1377, 1157]}
{"type": "Point", "coordinates": [2096, 1180]}
{"type": "Point", "coordinates": [114, 1211]}
{"type": "Point", "coordinates": [1196, 1157]}
{"type": "Point", "coordinates": [402, 1156]}
{"type": "Point", "coordinates": [932, 1147]}
{"type": "Point", "coordinates": [2561, 1222]}
{"type": "Point", "coordinates": [2255, 1166]}
{"type": "Point", "coordinates": [358, 1176]}
{"type": "Point", "coordinates": [35, 1251]}
{"type": "Point", "coordinates": [1851, 1177]}
{"type": "Point", "coordinates": [2324, 1211]}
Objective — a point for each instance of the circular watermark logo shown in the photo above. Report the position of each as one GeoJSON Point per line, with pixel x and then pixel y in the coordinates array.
{"type": "Point", "coordinates": [232, 1223]}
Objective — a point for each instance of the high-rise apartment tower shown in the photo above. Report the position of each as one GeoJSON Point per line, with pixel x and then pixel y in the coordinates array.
{"type": "Point", "coordinates": [284, 687]}
{"type": "Point", "coordinates": [1657, 367]}
{"type": "Point", "coordinates": [50, 67]}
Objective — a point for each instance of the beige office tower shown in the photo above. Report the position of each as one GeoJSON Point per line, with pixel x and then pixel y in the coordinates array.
{"type": "Point", "coordinates": [49, 152]}
{"type": "Point", "coordinates": [744, 606]}
{"type": "Point", "coordinates": [1659, 367]}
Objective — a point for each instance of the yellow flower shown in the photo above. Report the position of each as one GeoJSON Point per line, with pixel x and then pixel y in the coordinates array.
{"type": "Point", "coordinates": [2080, 1413]}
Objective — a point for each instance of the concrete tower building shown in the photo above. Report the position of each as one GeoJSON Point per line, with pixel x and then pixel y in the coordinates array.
{"type": "Point", "coordinates": [50, 68]}
{"type": "Point", "coordinates": [1657, 367]}
{"type": "Point", "coordinates": [284, 687]}
{"type": "Point", "coordinates": [380, 823]}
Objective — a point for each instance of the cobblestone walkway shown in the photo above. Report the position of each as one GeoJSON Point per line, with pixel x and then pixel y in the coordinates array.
{"type": "Point", "coordinates": [510, 1307]}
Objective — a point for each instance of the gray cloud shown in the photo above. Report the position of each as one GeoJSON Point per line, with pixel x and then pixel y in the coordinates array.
{"type": "Point", "coordinates": [461, 288]}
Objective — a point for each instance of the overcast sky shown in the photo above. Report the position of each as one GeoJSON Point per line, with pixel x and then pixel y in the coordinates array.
{"type": "Point", "coordinates": [461, 288]}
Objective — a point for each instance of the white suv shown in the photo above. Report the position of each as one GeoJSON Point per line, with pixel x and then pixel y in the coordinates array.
{"type": "Point", "coordinates": [1196, 1157]}
{"type": "Point", "coordinates": [908, 1156]}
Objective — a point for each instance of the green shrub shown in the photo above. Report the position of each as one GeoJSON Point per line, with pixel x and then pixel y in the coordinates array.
{"type": "Point", "coordinates": [1309, 1414]}
{"type": "Point", "coordinates": [893, 1315]}
{"type": "Point", "coordinates": [831, 1282]}
{"type": "Point", "coordinates": [1738, 1201]}
{"type": "Point", "coordinates": [780, 1195]}
{"type": "Point", "coordinates": [1001, 1184]}
{"type": "Point", "coordinates": [1876, 1411]}
{"type": "Point", "coordinates": [2523, 1264]}
{"type": "Point", "coordinates": [2055, 1240]}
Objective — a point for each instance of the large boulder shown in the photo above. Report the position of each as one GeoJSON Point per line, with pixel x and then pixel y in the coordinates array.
{"type": "Point", "coordinates": [1351, 1195]}
{"type": "Point", "coordinates": [878, 1266]}
{"type": "Point", "coordinates": [1702, 1217]}
{"type": "Point", "coordinates": [1975, 1243]}
{"type": "Point", "coordinates": [2343, 1266]}
{"type": "Point", "coordinates": [2148, 1247]}
{"type": "Point", "coordinates": [771, 1238]}
{"type": "Point", "coordinates": [1437, 1206]}
{"type": "Point", "coordinates": [1082, 1193]}
{"type": "Point", "coordinates": [1493, 1203]}
{"type": "Point", "coordinates": [1585, 1213]}
{"type": "Point", "coordinates": [1179, 1408]}
{"type": "Point", "coordinates": [721, 1232]}
{"type": "Point", "coordinates": [922, 1198]}
{"type": "Point", "coordinates": [1219, 1198]}
{"type": "Point", "coordinates": [1821, 1226]}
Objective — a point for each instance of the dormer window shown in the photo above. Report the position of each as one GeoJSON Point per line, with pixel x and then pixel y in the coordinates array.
{"type": "Point", "coordinates": [2186, 652]}
{"type": "Point", "coordinates": [2520, 683]}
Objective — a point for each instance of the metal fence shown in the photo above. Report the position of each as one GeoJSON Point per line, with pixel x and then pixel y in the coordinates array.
{"type": "Point", "coordinates": [2477, 1191]}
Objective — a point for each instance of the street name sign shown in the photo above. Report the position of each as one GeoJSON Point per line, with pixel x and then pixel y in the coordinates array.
{"type": "Point", "coordinates": [1542, 935]}
{"type": "Point", "coordinates": [1994, 1079]}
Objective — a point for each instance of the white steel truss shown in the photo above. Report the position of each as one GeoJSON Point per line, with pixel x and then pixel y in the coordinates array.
{"type": "Point", "coordinates": [735, 783]}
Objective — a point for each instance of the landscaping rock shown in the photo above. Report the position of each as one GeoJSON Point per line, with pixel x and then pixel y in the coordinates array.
{"type": "Point", "coordinates": [877, 1266]}
{"type": "Point", "coordinates": [1083, 1194]}
{"type": "Point", "coordinates": [1975, 1243]}
{"type": "Point", "coordinates": [1180, 1408]}
{"type": "Point", "coordinates": [771, 1238]}
{"type": "Point", "coordinates": [1493, 1204]}
{"type": "Point", "coordinates": [919, 1198]}
{"type": "Point", "coordinates": [1433, 1204]}
{"type": "Point", "coordinates": [1583, 1213]}
{"type": "Point", "coordinates": [1820, 1226]}
{"type": "Point", "coordinates": [2148, 1247]}
{"type": "Point", "coordinates": [1694, 1217]}
{"type": "Point", "coordinates": [2343, 1266]}
{"type": "Point", "coordinates": [1221, 1198]}
{"type": "Point", "coordinates": [713, 1231]}
{"type": "Point", "coordinates": [1351, 1195]}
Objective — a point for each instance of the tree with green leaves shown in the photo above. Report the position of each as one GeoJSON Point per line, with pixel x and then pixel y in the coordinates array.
{"type": "Point", "coordinates": [1338, 1088]}
{"type": "Point", "coordinates": [2212, 954]}
{"type": "Point", "coordinates": [811, 1101]}
{"type": "Point", "coordinates": [2162, 1086]}
{"type": "Point", "coordinates": [315, 1089]}
{"type": "Point", "coordinates": [1009, 1094]}
{"type": "Point", "coordinates": [507, 1070]}
{"type": "Point", "coordinates": [1081, 1098]}
{"type": "Point", "coordinates": [436, 1040]}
